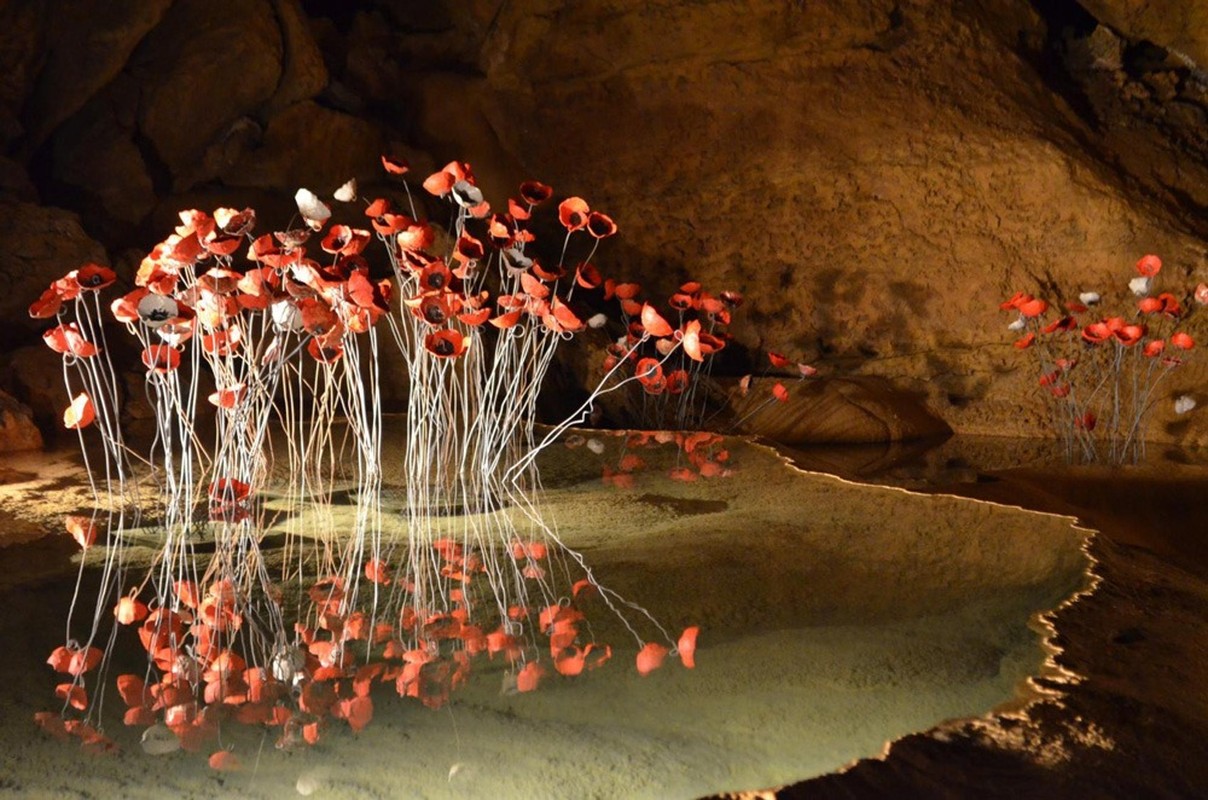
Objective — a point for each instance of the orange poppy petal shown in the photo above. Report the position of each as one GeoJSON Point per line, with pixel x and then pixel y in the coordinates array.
{"type": "Point", "coordinates": [686, 647]}
{"type": "Point", "coordinates": [653, 322]}
{"type": "Point", "coordinates": [651, 657]}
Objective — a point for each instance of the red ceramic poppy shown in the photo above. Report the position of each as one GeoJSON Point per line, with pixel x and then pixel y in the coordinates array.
{"type": "Point", "coordinates": [81, 528]}
{"type": "Point", "coordinates": [1154, 348]}
{"type": "Point", "coordinates": [67, 338]}
{"type": "Point", "coordinates": [653, 322]}
{"type": "Point", "coordinates": [691, 341]}
{"type": "Point", "coordinates": [732, 299]}
{"type": "Point", "coordinates": [435, 277]}
{"type": "Point", "coordinates": [1087, 421]}
{"type": "Point", "coordinates": [1067, 323]}
{"type": "Point", "coordinates": [1033, 307]}
{"type": "Point", "coordinates": [325, 350]}
{"type": "Point", "coordinates": [686, 647]}
{"type": "Point", "coordinates": [345, 240]}
{"type": "Point", "coordinates": [1025, 342]}
{"type": "Point", "coordinates": [445, 344]}
{"type": "Point", "coordinates": [468, 248]}
{"type": "Point", "coordinates": [235, 223]}
{"type": "Point", "coordinates": [535, 192]}
{"type": "Point", "coordinates": [441, 183]}
{"type": "Point", "coordinates": [1182, 341]}
{"type": "Point", "coordinates": [1015, 301]}
{"type": "Point", "coordinates": [1149, 305]}
{"type": "Point", "coordinates": [1129, 334]}
{"type": "Point", "coordinates": [780, 393]}
{"type": "Point", "coordinates": [1096, 333]}
{"type": "Point", "coordinates": [518, 209]}
{"type": "Point", "coordinates": [600, 225]}
{"type": "Point", "coordinates": [1149, 266]}
{"type": "Point", "coordinates": [587, 276]}
{"type": "Point", "coordinates": [229, 397]}
{"type": "Point", "coordinates": [565, 320]}
{"type": "Point", "coordinates": [130, 610]}
{"type": "Point", "coordinates": [650, 658]}
{"type": "Point", "coordinates": [395, 165]}
{"type": "Point", "coordinates": [161, 358]}
{"type": "Point", "coordinates": [573, 213]}
{"type": "Point", "coordinates": [47, 305]}
{"type": "Point", "coordinates": [777, 360]}
{"type": "Point", "coordinates": [677, 382]}
{"type": "Point", "coordinates": [94, 277]}
{"type": "Point", "coordinates": [227, 491]}
{"type": "Point", "coordinates": [80, 414]}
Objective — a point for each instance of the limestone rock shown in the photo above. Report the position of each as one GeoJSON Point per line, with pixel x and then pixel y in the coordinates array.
{"type": "Point", "coordinates": [834, 411]}
{"type": "Point", "coordinates": [34, 375]}
{"type": "Point", "coordinates": [23, 26]}
{"type": "Point", "coordinates": [1177, 25]}
{"type": "Point", "coordinates": [88, 43]}
{"type": "Point", "coordinates": [40, 245]}
{"type": "Point", "coordinates": [303, 73]}
{"type": "Point", "coordinates": [15, 185]}
{"type": "Point", "coordinates": [17, 428]}
{"type": "Point", "coordinates": [95, 153]}
{"type": "Point", "coordinates": [309, 145]}
{"type": "Point", "coordinates": [208, 63]}
{"type": "Point", "coordinates": [739, 146]}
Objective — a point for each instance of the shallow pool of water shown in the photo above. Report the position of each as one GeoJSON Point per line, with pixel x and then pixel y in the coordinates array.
{"type": "Point", "coordinates": [834, 618]}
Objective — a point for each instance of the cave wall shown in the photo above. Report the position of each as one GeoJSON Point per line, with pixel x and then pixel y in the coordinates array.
{"type": "Point", "coordinates": [874, 176]}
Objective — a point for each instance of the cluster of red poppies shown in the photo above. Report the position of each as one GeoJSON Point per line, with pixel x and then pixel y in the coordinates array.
{"type": "Point", "coordinates": [1107, 348]}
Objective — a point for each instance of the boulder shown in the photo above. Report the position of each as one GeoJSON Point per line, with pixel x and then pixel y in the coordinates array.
{"type": "Point", "coordinates": [833, 411]}
{"type": "Point", "coordinates": [208, 63]}
{"type": "Point", "coordinates": [23, 25]}
{"type": "Point", "coordinates": [34, 375]}
{"type": "Point", "coordinates": [1175, 25]}
{"type": "Point", "coordinates": [17, 429]}
{"type": "Point", "coordinates": [312, 146]}
{"type": "Point", "coordinates": [87, 44]}
{"type": "Point", "coordinates": [94, 153]}
{"type": "Point", "coordinates": [41, 244]}
{"type": "Point", "coordinates": [303, 73]}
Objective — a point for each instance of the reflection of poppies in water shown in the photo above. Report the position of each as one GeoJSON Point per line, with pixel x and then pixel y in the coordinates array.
{"type": "Point", "coordinates": [254, 609]}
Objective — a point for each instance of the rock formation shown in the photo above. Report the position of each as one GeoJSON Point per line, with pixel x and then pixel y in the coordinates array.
{"type": "Point", "coordinates": [875, 176]}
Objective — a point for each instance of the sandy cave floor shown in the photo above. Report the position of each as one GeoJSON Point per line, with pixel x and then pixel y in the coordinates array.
{"type": "Point", "coordinates": [836, 617]}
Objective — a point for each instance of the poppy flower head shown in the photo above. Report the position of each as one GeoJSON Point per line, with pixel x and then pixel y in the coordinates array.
{"type": "Point", "coordinates": [1148, 266]}
{"type": "Point", "coordinates": [1182, 341]}
{"type": "Point", "coordinates": [446, 343]}
{"type": "Point", "coordinates": [600, 225]}
{"type": "Point", "coordinates": [535, 192]}
{"type": "Point", "coordinates": [1129, 335]}
{"type": "Point", "coordinates": [94, 277]}
{"type": "Point", "coordinates": [80, 414]}
{"type": "Point", "coordinates": [653, 322]}
{"type": "Point", "coordinates": [395, 165]}
{"type": "Point", "coordinates": [48, 304]}
{"type": "Point", "coordinates": [573, 213]}
{"type": "Point", "coordinates": [1033, 307]}
{"type": "Point", "coordinates": [161, 358]}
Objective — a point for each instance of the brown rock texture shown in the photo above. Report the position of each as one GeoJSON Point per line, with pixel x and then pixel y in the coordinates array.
{"type": "Point", "coordinates": [874, 176]}
{"type": "Point", "coordinates": [206, 65]}
{"type": "Point", "coordinates": [40, 245]}
{"type": "Point", "coordinates": [17, 429]}
{"type": "Point", "coordinates": [857, 410]}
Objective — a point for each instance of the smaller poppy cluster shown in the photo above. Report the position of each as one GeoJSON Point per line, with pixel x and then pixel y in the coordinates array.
{"type": "Point", "coordinates": [667, 360]}
{"type": "Point", "coordinates": [698, 455]}
{"type": "Point", "coordinates": [1116, 354]}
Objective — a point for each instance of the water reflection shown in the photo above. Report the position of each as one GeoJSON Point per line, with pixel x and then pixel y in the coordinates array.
{"type": "Point", "coordinates": [834, 617]}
